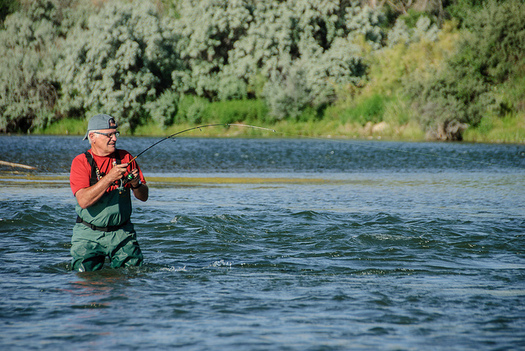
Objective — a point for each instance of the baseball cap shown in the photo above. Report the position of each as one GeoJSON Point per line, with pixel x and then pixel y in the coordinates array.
{"type": "Point", "coordinates": [100, 121]}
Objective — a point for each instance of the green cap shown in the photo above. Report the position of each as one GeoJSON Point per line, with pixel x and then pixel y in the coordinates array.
{"type": "Point", "coordinates": [100, 121]}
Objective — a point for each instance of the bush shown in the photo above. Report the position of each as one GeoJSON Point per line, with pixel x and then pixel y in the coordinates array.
{"type": "Point", "coordinates": [287, 96]}
{"type": "Point", "coordinates": [120, 60]}
{"type": "Point", "coordinates": [7, 7]}
{"type": "Point", "coordinates": [206, 46]}
{"type": "Point", "coordinates": [462, 93]}
{"type": "Point", "coordinates": [27, 58]}
{"type": "Point", "coordinates": [497, 46]}
{"type": "Point", "coordinates": [163, 110]}
{"type": "Point", "coordinates": [302, 49]}
{"type": "Point", "coordinates": [403, 33]}
{"type": "Point", "coordinates": [192, 110]}
{"type": "Point", "coordinates": [369, 109]}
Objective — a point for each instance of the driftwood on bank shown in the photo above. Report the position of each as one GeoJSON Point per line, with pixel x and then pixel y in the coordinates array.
{"type": "Point", "coordinates": [18, 165]}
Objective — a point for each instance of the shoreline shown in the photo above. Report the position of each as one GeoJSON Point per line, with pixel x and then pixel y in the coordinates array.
{"type": "Point", "coordinates": [334, 130]}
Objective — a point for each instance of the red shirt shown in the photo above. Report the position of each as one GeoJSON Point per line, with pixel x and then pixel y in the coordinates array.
{"type": "Point", "coordinates": [81, 169]}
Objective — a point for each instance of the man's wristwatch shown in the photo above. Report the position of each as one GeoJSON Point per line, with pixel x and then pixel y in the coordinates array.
{"type": "Point", "coordinates": [136, 187]}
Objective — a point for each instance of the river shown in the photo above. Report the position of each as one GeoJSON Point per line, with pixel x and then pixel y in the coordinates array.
{"type": "Point", "coordinates": [274, 244]}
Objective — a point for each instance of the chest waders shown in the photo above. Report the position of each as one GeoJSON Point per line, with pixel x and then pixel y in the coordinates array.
{"type": "Point", "coordinates": [112, 210]}
{"type": "Point", "coordinates": [104, 228]}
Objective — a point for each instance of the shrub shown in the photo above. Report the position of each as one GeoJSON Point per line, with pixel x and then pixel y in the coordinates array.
{"type": "Point", "coordinates": [192, 109]}
{"type": "Point", "coordinates": [301, 49]}
{"type": "Point", "coordinates": [403, 33]}
{"type": "Point", "coordinates": [163, 110]}
{"type": "Point", "coordinates": [497, 45]}
{"type": "Point", "coordinates": [464, 91]}
{"type": "Point", "coordinates": [7, 7]}
{"type": "Point", "coordinates": [122, 58]}
{"type": "Point", "coordinates": [369, 109]}
{"type": "Point", "coordinates": [27, 57]}
{"type": "Point", "coordinates": [287, 96]}
{"type": "Point", "coordinates": [206, 46]}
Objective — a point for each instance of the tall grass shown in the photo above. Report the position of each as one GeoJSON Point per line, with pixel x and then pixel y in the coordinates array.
{"type": "Point", "coordinates": [67, 126]}
{"type": "Point", "coordinates": [510, 129]}
{"type": "Point", "coordinates": [366, 109]}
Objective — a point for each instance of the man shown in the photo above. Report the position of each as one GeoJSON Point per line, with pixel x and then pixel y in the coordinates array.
{"type": "Point", "coordinates": [102, 179]}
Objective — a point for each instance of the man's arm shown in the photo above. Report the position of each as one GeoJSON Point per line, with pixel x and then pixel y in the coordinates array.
{"type": "Point", "coordinates": [142, 192]}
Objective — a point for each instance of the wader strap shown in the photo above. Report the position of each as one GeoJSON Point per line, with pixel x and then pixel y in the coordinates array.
{"type": "Point", "coordinates": [95, 172]}
{"type": "Point", "coordinates": [111, 228]}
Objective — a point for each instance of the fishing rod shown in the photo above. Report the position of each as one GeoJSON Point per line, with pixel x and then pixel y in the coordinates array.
{"type": "Point", "coordinates": [199, 127]}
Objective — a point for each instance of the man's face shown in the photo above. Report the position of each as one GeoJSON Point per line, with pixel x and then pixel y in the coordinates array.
{"type": "Point", "coordinates": [104, 141]}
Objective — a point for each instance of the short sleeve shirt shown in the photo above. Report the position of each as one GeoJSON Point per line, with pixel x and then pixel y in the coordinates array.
{"type": "Point", "coordinates": [81, 169]}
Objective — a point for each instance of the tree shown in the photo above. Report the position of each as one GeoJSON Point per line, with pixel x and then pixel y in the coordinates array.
{"type": "Point", "coordinates": [119, 62]}
{"type": "Point", "coordinates": [299, 49]}
{"type": "Point", "coordinates": [27, 57]}
{"type": "Point", "coordinates": [464, 91]}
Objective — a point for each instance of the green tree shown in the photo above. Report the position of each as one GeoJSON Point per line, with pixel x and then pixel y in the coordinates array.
{"type": "Point", "coordinates": [118, 61]}
{"type": "Point", "coordinates": [463, 92]}
{"type": "Point", "coordinates": [27, 57]}
{"type": "Point", "coordinates": [208, 31]}
{"type": "Point", "coordinates": [7, 7]}
{"type": "Point", "coordinates": [300, 49]}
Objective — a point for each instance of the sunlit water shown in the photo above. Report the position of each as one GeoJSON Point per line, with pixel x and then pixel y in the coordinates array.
{"type": "Point", "coordinates": [272, 244]}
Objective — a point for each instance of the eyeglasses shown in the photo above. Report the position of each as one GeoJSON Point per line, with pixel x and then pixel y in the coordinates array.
{"type": "Point", "coordinates": [109, 135]}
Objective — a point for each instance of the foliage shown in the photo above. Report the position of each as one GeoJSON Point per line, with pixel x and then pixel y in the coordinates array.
{"type": "Point", "coordinates": [235, 111]}
{"type": "Point", "coordinates": [163, 110]}
{"type": "Point", "coordinates": [118, 61]}
{"type": "Point", "coordinates": [307, 63]}
{"type": "Point", "coordinates": [462, 9]}
{"type": "Point", "coordinates": [497, 46]}
{"type": "Point", "coordinates": [368, 109]}
{"type": "Point", "coordinates": [509, 129]}
{"type": "Point", "coordinates": [196, 110]}
{"type": "Point", "coordinates": [380, 98]}
{"type": "Point", "coordinates": [27, 58]}
{"type": "Point", "coordinates": [206, 47]}
{"type": "Point", "coordinates": [302, 49]}
{"type": "Point", "coordinates": [462, 93]}
{"type": "Point", "coordinates": [192, 109]}
{"type": "Point", "coordinates": [403, 33]}
{"type": "Point", "coordinates": [7, 7]}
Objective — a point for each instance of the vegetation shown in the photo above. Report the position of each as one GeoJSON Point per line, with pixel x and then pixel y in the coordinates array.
{"type": "Point", "coordinates": [436, 70]}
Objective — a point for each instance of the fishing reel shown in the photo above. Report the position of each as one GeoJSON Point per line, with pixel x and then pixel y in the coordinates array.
{"type": "Point", "coordinates": [125, 180]}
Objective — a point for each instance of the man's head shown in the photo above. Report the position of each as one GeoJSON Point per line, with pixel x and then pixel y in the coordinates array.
{"type": "Point", "coordinates": [100, 122]}
{"type": "Point", "coordinates": [102, 134]}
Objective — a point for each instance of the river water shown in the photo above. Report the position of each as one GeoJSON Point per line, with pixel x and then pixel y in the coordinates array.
{"type": "Point", "coordinates": [274, 244]}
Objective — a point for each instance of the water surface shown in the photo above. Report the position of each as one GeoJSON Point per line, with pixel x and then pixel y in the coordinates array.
{"type": "Point", "coordinates": [275, 244]}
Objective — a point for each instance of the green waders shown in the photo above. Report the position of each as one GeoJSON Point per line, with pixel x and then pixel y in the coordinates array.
{"type": "Point", "coordinates": [104, 230]}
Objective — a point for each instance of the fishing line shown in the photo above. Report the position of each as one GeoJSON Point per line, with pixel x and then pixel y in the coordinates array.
{"type": "Point", "coordinates": [199, 127]}
{"type": "Point", "coordinates": [383, 148]}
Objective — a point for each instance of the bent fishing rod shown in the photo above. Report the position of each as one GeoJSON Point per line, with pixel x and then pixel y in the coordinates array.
{"type": "Point", "coordinates": [199, 127]}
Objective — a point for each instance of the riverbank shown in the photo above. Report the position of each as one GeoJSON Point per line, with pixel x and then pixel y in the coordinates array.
{"type": "Point", "coordinates": [506, 130]}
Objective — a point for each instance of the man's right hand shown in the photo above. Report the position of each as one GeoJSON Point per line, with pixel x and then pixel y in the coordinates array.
{"type": "Point", "coordinates": [117, 172]}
